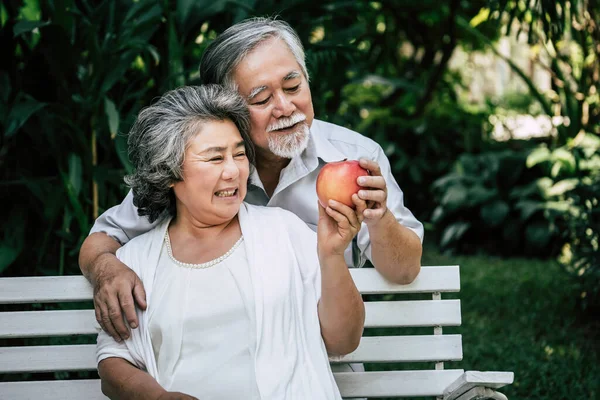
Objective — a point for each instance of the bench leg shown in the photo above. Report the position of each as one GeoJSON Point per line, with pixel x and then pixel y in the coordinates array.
{"type": "Point", "coordinates": [482, 393]}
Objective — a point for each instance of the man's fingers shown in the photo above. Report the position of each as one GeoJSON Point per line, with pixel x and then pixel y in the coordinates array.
{"type": "Point", "coordinates": [128, 308]}
{"type": "Point", "coordinates": [371, 166]}
{"type": "Point", "coordinates": [374, 213]}
{"type": "Point", "coordinates": [374, 182]}
{"type": "Point", "coordinates": [116, 318]}
{"type": "Point", "coordinates": [139, 293]}
{"type": "Point", "coordinates": [107, 324]}
{"type": "Point", "coordinates": [98, 316]}
{"type": "Point", "coordinates": [378, 196]}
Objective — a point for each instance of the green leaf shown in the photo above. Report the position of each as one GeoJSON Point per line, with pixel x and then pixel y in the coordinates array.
{"type": "Point", "coordinates": [4, 86]}
{"type": "Point", "coordinates": [113, 116]}
{"type": "Point", "coordinates": [14, 237]}
{"type": "Point", "coordinates": [455, 198]}
{"type": "Point", "coordinates": [454, 232]}
{"type": "Point", "coordinates": [494, 213]}
{"type": "Point", "coordinates": [538, 234]}
{"type": "Point", "coordinates": [562, 187]}
{"type": "Point", "coordinates": [75, 173]}
{"type": "Point", "coordinates": [528, 208]}
{"type": "Point", "coordinates": [562, 154]}
{"type": "Point", "coordinates": [478, 195]}
{"type": "Point", "coordinates": [537, 156]}
{"type": "Point", "coordinates": [20, 113]}
{"type": "Point", "coordinates": [75, 204]}
{"type": "Point", "coordinates": [482, 16]}
{"type": "Point", "coordinates": [122, 152]}
{"type": "Point", "coordinates": [8, 254]}
{"type": "Point", "coordinates": [27, 26]}
{"type": "Point", "coordinates": [437, 215]}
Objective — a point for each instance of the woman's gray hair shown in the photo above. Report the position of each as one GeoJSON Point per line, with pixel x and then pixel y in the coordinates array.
{"type": "Point", "coordinates": [161, 133]}
{"type": "Point", "coordinates": [225, 53]}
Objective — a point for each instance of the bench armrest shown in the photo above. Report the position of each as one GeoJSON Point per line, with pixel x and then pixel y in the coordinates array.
{"type": "Point", "coordinates": [478, 385]}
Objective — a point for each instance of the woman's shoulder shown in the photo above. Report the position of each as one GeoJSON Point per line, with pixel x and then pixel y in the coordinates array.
{"type": "Point", "coordinates": [140, 244]}
{"type": "Point", "coordinates": [275, 214]}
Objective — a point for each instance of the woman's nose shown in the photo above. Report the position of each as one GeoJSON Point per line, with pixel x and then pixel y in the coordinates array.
{"type": "Point", "coordinates": [230, 169]}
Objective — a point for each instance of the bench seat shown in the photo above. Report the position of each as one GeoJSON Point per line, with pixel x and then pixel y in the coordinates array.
{"type": "Point", "coordinates": [389, 308]}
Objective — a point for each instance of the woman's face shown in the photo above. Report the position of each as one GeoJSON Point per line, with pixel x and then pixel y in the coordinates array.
{"type": "Point", "coordinates": [215, 175]}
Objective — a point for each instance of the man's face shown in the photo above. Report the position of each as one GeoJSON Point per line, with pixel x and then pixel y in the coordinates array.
{"type": "Point", "coordinates": [278, 96]}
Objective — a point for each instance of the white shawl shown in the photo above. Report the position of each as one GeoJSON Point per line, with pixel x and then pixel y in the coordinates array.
{"type": "Point", "coordinates": [290, 359]}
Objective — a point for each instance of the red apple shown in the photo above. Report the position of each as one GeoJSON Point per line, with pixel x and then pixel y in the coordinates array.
{"type": "Point", "coordinates": [337, 181]}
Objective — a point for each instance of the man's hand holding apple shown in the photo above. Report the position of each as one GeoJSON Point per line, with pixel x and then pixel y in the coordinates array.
{"type": "Point", "coordinates": [373, 190]}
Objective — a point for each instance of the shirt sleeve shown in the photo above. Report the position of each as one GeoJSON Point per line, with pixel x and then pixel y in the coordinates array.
{"type": "Point", "coordinates": [122, 222]}
{"type": "Point", "coordinates": [395, 203]}
{"type": "Point", "coordinates": [107, 347]}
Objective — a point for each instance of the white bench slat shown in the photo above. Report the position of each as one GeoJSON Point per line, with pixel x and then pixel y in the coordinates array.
{"type": "Point", "coordinates": [44, 289]}
{"type": "Point", "coordinates": [473, 379]}
{"type": "Point", "coordinates": [88, 389]}
{"type": "Point", "coordinates": [429, 280]}
{"type": "Point", "coordinates": [48, 358]}
{"type": "Point", "coordinates": [22, 324]}
{"type": "Point", "coordinates": [47, 289]}
{"type": "Point", "coordinates": [380, 314]}
{"type": "Point", "coordinates": [352, 384]}
{"type": "Point", "coordinates": [417, 348]}
{"type": "Point", "coordinates": [395, 383]}
{"type": "Point", "coordinates": [371, 349]}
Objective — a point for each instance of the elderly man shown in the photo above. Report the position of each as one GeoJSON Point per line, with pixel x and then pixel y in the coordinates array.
{"type": "Point", "coordinates": [263, 59]}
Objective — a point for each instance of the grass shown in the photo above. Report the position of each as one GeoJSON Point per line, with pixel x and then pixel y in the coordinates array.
{"type": "Point", "coordinates": [521, 315]}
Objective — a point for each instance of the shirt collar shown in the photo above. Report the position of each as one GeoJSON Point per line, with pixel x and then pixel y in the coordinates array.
{"type": "Point", "coordinates": [319, 146]}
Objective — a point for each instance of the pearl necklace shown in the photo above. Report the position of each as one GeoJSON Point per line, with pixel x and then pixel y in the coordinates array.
{"type": "Point", "coordinates": [207, 264]}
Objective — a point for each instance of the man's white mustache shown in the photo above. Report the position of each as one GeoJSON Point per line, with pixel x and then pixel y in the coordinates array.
{"type": "Point", "coordinates": [283, 123]}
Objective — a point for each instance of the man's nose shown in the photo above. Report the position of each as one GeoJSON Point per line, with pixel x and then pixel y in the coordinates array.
{"type": "Point", "coordinates": [284, 107]}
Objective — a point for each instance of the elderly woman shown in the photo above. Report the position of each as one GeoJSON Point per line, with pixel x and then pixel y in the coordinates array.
{"type": "Point", "coordinates": [243, 302]}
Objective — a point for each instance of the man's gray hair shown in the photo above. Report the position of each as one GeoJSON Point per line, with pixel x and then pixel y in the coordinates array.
{"type": "Point", "coordinates": [161, 133]}
{"type": "Point", "coordinates": [225, 53]}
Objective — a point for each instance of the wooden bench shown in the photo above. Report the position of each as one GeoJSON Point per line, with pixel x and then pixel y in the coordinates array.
{"type": "Point", "coordinates": [389, 308]}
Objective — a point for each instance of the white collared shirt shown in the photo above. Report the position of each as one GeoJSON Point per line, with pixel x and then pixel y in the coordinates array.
{"type": "Point", "coordinates": [296, 190]}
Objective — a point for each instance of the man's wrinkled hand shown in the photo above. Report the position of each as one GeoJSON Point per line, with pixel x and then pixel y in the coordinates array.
{"type": "Point", "coordinates": [115, 287]}
{"type": "Point", "coordinates": [373, 191]}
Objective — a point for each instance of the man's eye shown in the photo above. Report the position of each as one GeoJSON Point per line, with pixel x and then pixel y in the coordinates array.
{"type": "Point", "coordinates": [216, 159]}
{"type": "Point", "coordinates": [260, 103]}
{"type": "Point", "coordinates": [294, 88]}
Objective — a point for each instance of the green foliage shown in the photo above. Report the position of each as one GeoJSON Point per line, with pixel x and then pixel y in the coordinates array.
{"type": "Point", "coordinates": [521, 315]}
{"type": "Point", "coordinates": [576, 166]}
{"type": "Point", "coordinates": [532, 202]}
{"type": "Point", "coordinates": [492, 202]}
{"type": "Point", "coordinates": [79, 72]}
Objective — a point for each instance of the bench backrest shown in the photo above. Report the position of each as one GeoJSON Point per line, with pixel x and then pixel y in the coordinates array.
{"type": "Point", "coordinates": [388, 310]}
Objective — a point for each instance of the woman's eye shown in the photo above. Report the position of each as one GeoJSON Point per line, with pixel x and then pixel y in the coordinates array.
{"type": "Point", "coordinates": [216, 159]}
{"type": "Point", "coordinates": [241, 155]}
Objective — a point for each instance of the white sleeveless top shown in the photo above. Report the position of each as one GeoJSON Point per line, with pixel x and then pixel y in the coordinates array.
{"type": "Point", "coordinates": [218, 343]}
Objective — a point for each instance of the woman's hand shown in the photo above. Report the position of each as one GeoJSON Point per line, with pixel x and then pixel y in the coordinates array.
{"type": "Point", "coordinates": [338, 225]}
